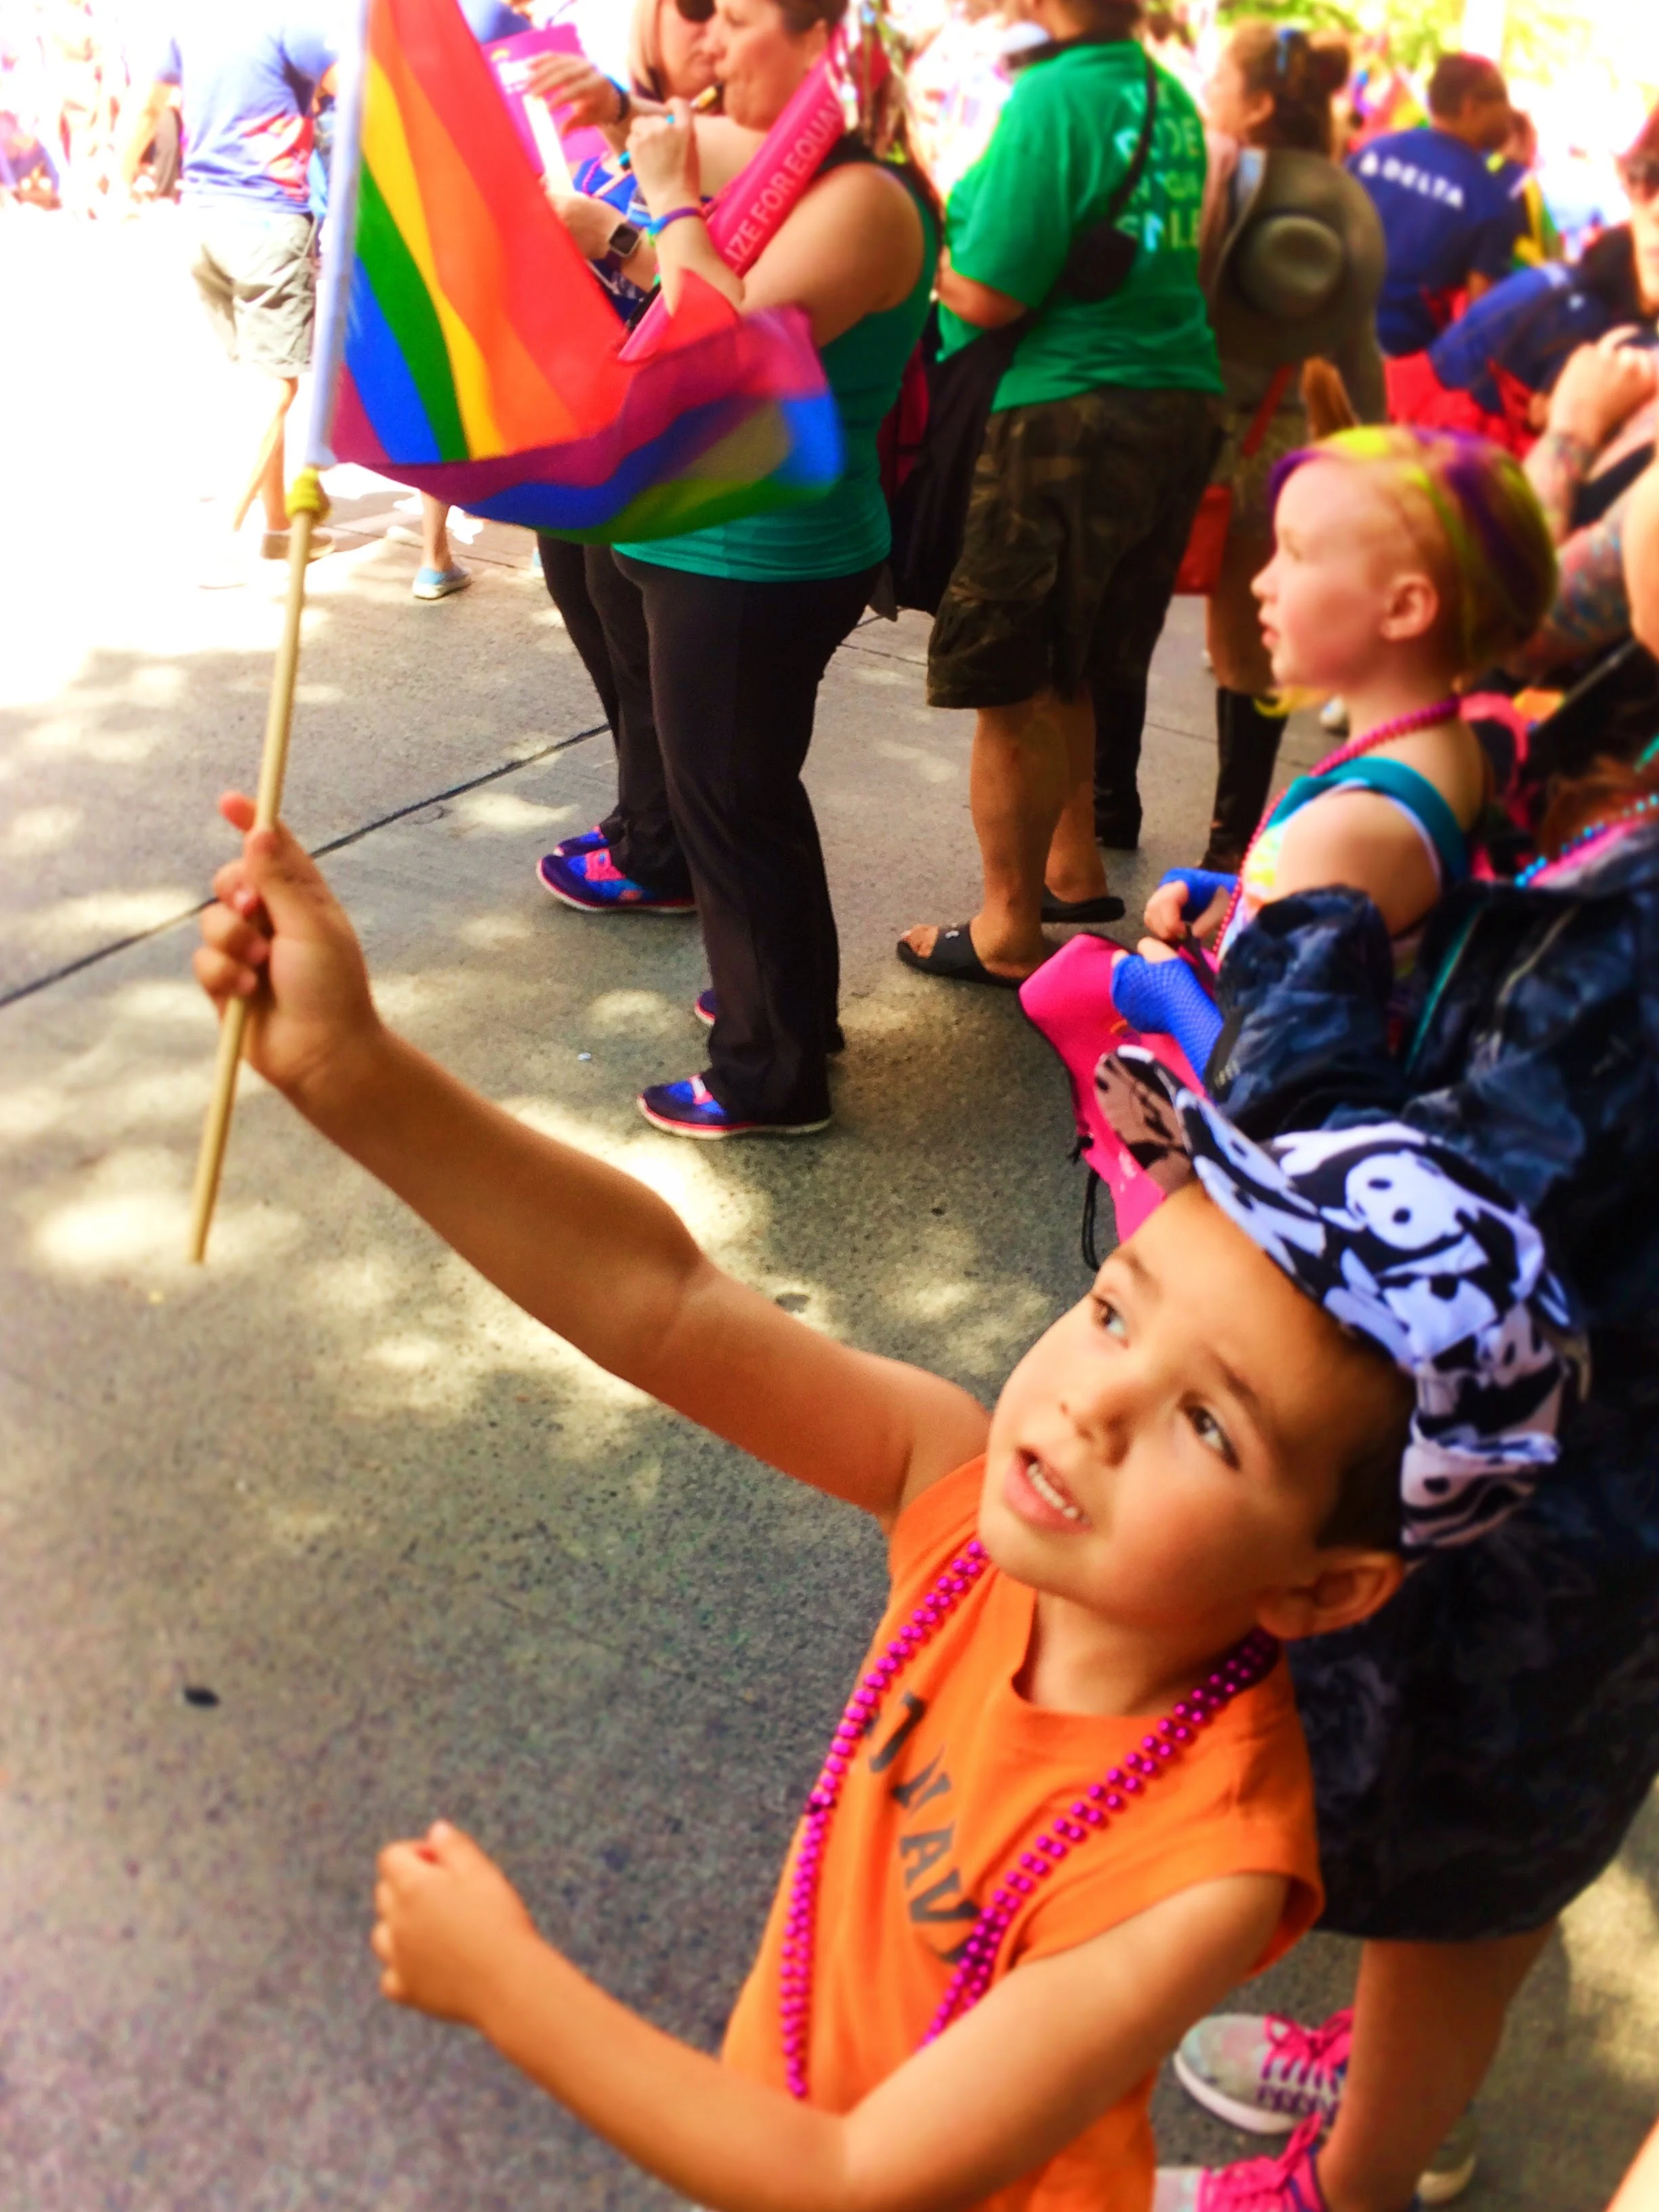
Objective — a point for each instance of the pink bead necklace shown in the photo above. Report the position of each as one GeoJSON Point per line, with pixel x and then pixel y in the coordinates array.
{"type": "Point", "coordinates": [1420, 718]}
{"type": "Point", "coordinates": [1244, 1666]}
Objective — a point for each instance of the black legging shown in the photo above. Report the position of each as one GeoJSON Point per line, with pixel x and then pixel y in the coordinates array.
{"type": "Point", "coordinates": [717, 681]}
{"type": "Point", "coordinates": [564, 571]}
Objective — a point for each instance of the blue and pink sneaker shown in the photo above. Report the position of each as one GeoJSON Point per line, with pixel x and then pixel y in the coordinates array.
{"type": "Point", "coordinates": [594, 884]}
{"type": "Point", "coordinates": [689, 1108]}
{"type": "Point", "coordinates": [585, 841]}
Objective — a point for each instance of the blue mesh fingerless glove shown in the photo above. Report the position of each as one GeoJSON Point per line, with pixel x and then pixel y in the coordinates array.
{"type": "Point", "coordinates": [1166, 994]}
{"type": "Point", "coordinates": [1202, 885]}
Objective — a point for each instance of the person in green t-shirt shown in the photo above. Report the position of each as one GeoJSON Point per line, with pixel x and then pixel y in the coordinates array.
{"type": "Point", "coordinates": [1100, 442]}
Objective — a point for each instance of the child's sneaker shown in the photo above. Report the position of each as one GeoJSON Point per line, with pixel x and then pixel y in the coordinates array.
{"type": "Point", "coordinates": [594, 884]}
{"type": "Point", "coordinates": [1289, 2183]}
{"type": "Point", "coordinates": [689, 1108]}
{"type": "Point", "coordinates": [1267, 2075]}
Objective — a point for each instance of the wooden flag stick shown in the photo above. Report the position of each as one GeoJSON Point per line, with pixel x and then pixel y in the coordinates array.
{"type": "Point", "coordinates": [306, 503]}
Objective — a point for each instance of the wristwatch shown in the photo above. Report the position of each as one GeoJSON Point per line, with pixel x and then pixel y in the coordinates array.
{"type": "Point", "coordinates": [623, 242]}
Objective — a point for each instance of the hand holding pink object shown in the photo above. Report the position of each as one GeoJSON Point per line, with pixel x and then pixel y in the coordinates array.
{"type": "Point", "coordinates": [663, 151]}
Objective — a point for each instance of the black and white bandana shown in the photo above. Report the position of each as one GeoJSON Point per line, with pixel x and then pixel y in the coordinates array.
{"type": "Point", "coordinates": [1405, 1242]}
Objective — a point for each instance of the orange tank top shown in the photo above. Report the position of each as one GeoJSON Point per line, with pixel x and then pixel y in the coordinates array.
{"type": "Point", "coordinates": [959, 1773]}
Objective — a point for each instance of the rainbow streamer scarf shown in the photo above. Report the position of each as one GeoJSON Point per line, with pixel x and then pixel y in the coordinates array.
{"type": "Point", "coordinates": [483, 363]}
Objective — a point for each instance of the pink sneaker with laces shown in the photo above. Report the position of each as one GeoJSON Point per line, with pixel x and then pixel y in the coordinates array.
{"type": "Point", "coordinates": [1289, 2183]}
{"type": "Point", "coordinates": [1266, 2074]}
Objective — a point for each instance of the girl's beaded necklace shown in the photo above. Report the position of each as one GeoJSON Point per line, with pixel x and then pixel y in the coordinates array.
{"type": "Point", "coordinates": [1639, 809]}
{"type": "Point", "coordinates": [1247, 1663]}
{"type": "Point", "coordinates": [1420, 718]}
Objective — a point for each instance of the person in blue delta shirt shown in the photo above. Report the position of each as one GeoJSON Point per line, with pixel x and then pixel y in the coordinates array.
{"type": "Point", "coordinates": [1451, 227]}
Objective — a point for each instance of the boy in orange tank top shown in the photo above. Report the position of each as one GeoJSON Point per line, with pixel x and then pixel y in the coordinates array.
{"type": "Point", "coordinates": [1068, 1805]}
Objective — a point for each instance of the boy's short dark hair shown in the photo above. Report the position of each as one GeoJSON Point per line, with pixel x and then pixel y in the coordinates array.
{"type": "Point", "coordinates": [1460, 77]}
{"type": "Point", "coordinates": [1368, 1513]}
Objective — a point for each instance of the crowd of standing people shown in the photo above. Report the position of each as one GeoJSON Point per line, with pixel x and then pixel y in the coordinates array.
{"type": "Point", "coordinates": [1382, 1081]}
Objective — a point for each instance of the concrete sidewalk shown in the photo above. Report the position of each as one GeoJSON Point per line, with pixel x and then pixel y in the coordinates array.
{"type": "Point", "coordinates": [299, 1551]}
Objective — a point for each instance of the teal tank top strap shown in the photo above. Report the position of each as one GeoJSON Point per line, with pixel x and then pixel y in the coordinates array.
{"type": "Point", "coordinates": [1391, 779]}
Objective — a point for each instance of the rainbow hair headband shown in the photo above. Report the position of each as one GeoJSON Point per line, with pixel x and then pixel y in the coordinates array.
{"type": "Point", "coordinates": [1487, 513]}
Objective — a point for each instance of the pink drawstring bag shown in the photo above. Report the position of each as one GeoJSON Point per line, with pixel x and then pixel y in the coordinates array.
{"type": "Point", "coordinates": [1069, 1001]}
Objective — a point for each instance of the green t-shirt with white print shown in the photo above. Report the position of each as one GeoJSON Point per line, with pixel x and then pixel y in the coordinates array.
{"type": "Point", "coordinates": [1062, 143]}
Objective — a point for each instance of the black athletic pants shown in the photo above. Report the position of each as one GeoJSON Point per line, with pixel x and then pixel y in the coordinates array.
{"type": "Point", "coordinates": [564, 571]}
{"type": "Point", "coordinates": [717, 681]}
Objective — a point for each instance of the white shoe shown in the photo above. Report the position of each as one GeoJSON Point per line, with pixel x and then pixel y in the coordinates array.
{"type": "Point", "coordinates": [223, 568]}
{"type": "Point", "coordinates": [1333, 718]}
{"type": "Point", "coordinates": [1451, 2169]}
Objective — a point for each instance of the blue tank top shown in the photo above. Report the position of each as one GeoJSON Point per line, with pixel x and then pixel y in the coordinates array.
{"type": "Point", "coordinates": [1409, 790]}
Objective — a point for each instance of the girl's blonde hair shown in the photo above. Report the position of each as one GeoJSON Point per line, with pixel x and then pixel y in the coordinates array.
{"type": "Point", "coordinates": [1474, 517]}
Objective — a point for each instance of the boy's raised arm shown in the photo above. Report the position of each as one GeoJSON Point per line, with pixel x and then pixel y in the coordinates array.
{"type": "Point", "coordinates": [530, 1214]}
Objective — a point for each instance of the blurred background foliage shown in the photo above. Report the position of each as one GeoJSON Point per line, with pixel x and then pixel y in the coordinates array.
{"type": "Point", "coordinates": [1539, 37]}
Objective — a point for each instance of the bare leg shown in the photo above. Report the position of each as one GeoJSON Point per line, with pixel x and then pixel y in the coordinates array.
{"type": "Point", "coordinates": [1016, 788]}
{"type": "Point", "coordinates": [1075, 870]}
{"type": "Point", "coordinates": [267, 484]}
{"type": "Point", "coordinates": [1428, 2019]}
{"type": "Point", "coordinates": [434, 533]}
{"type": "Point", "coordinates": [1017, 784]}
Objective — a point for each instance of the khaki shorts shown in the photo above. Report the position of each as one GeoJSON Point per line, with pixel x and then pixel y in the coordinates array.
{"type": "Point", "coordinates": [1080, 514]}
{"type": "Point", "coordinates": [256, 269]}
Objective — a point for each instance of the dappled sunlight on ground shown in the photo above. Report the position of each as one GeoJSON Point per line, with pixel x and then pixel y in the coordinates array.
{"type": "Point", "coordinates": [1612, 1940]}
{"type": "Point", "coordinates": [74, 923]}
{"type": "Point", "coordinates": [927, 767]}
{"type": "Point", "coordinates": [39, 829]}
{"type": "Point", "coordinates": [130, 1214]}
{"type": "Point", "coordinates": [504, 814]}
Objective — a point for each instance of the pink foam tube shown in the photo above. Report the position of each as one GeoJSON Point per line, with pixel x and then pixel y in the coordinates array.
{"type": "Point", "coordinates": [749, 213]}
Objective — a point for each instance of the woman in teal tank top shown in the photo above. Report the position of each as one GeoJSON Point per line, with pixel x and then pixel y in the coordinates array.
{"type": "Point", "coordinates": [848, 531]}
{"type": "Point", "coordinates": [719, 640]}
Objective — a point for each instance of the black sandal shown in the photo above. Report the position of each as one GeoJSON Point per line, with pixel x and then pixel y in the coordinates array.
{"type": "Point", "coordinates": [954, 960]}
{"type": "Point", "coordinates": [1107, 908]}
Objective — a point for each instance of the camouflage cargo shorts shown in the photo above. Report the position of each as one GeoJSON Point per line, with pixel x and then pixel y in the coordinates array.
{"type": "Point", "coordinates": [1080, 514]}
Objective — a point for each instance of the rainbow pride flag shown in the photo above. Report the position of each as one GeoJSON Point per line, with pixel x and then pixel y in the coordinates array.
{"type": "Point", "coordinates": [480, 359]}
